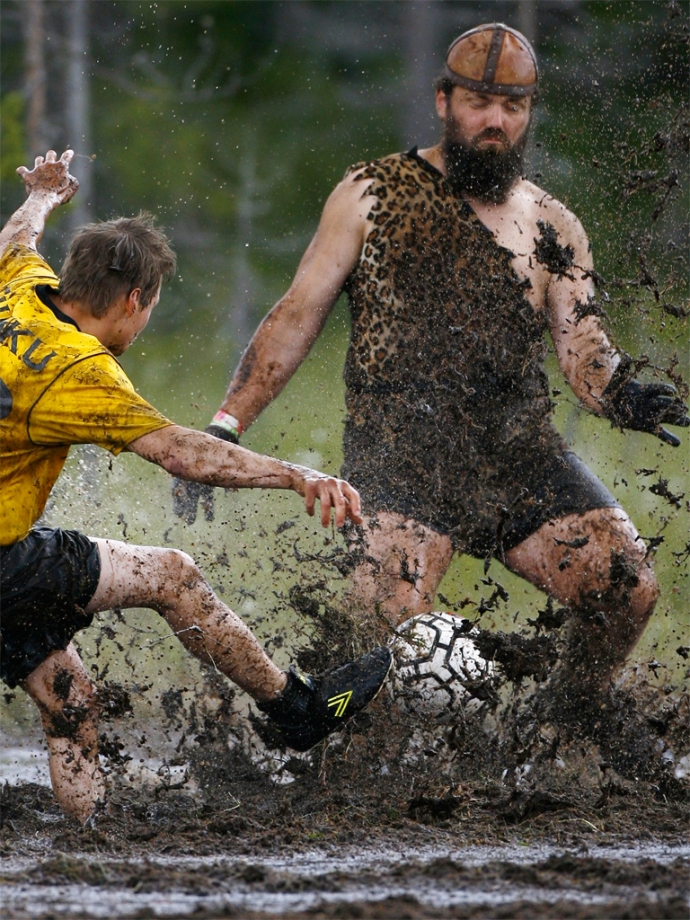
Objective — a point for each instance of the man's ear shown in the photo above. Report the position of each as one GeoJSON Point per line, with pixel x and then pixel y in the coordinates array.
{"type": "Point", "coordinates": [133, 304]}
{"type": "Point", "coordinates": [441, 104]}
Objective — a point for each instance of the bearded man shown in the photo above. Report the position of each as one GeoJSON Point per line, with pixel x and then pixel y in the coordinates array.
{"type": "Point", "coordinates": [455, 267]}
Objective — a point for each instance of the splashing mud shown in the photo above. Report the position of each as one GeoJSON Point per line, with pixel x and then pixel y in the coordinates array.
{"type": "Point", "coordinates": [390, 819]}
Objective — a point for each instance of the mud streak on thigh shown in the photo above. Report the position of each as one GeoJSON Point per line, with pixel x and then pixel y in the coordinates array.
{"type": "Point", "coordinates": [134, 576]}
{"type": "Point", "coordinates": [575, 558]}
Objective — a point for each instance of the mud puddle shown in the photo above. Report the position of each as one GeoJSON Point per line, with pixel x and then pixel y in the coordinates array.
{"type": "Point", "coordinates": [430, 881]}
{"type": "Point", "coordinates": [485, 816]}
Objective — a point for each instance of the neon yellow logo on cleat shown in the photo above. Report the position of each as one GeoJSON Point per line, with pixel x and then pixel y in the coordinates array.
{"type": "Point", "coordinates": [340, 702]}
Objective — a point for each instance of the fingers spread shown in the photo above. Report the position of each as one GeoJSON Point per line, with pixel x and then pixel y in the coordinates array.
{"type": "Point", "coordinates": [668, 438]}
{"type": "Point", "coordinates": [672, 411]}
{"type": "Point", "coordinates": [333, 494]}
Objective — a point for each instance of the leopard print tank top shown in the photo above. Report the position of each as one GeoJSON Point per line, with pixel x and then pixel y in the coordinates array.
{"type": "Point", "coordinates": [435, 301]}
{"type": "Point", "coordinates": [448, 409]}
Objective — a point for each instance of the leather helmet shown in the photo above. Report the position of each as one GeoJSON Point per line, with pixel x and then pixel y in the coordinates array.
{"type": "Point", "coordinates": [493, 58]}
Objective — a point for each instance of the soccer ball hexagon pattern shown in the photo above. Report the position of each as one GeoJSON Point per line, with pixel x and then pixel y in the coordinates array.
{"type": "Point", "coordinates": [436, 664]}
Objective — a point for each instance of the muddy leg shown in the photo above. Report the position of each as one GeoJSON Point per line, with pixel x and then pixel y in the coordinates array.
{"type": "Point", "coordinates": [65, 696]}
{"type": "Point", "coordinates": [400, 566]}
{"type": "Point", "coordinates": [169, 581]}
{"type": "Point", "coordinates": [596, 564]}
{"type": "Point", "coordinates": [605, 577]}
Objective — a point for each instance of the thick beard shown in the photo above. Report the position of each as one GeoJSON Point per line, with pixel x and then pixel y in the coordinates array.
{"type": "Point", "coordinates": [486, 174]}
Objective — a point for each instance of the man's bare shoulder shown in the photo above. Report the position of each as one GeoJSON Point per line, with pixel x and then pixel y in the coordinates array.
{"type": "Point", "coordinates": [543, 206]}
{"type": "Point", "coordinates": [354, 183]}
{"type": "Point", "coordinates": [350, 196]}
{"type": "Point", "coordinates": [349, 205]}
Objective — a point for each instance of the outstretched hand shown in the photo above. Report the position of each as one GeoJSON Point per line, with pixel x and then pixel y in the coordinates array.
{"type": "Point", "coordinates": [334, 495]}
{"type": "Point", "coordinates": [648, 407]}
{"type": "Point", "coordinates": [51, 175]}
{"type": "Point", "coordinates": [252, 470]}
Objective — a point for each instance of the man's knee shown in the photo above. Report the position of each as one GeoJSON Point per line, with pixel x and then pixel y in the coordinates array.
{"type": "Point", "coordinates": [142, 576]}
{"type": "Point", "coordinates": [180, 566]}
{"type": "Point", "coordinates": [64, 693]}
{"type": "Point", "coordinates": [398, 567]}
{"type": "Point", "coordinates": [646, 592]}
{"type": "Point", "coordinates": [595, 561]}
{"type": "Point", "coordinates": [625, 581]}
{"type": "Point", "coordinates": [175, 573]}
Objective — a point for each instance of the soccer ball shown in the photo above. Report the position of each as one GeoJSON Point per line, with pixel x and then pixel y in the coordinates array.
{"type": "Point", "coordinates": [435, 665]}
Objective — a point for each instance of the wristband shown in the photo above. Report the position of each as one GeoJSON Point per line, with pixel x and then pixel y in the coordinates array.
{"type": "Point", "coordinates": [222, 434]}
{"type": "Point", "coordinates": [228, 423]}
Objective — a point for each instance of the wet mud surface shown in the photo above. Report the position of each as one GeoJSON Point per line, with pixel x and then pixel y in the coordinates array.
{"type": "Point", "coordinates": [391, 818]}
{"type": "Point", "coordinates": [424, 881]}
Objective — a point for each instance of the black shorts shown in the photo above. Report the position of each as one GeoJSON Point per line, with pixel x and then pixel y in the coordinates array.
{"type": "Point", "coordinates": [46, 581]}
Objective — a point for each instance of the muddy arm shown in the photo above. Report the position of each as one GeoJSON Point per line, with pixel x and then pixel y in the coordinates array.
{"type": "Point", "coordinates": [585, 354]}
{"type": "Point", "coordinates": [288, 332]}
{"type": "Point", "coordinates": [49, 184]}
{"type": "Point", "coordinates": [599, 374]}
{"type": "Point", "coordinates": [193, 455]}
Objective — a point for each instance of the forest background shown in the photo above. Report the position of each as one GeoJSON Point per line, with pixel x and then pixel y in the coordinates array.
{"type": "Point", "coordinates": [231, 122]}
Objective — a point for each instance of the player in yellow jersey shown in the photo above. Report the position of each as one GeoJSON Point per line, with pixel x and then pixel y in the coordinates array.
{"type": "Point", "coordinates": [60, 384]}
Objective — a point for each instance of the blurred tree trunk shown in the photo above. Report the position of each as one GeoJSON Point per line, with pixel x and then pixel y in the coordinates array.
{"type": "Point", "coordinates": [420, 26]}
{"type": "Point", "coordinates": [76, 133]}
{"type": "Point", "coordinates": [78, 107]}
{"type": "Point", "coordinates": [35, 76]}
{"type": "Point", "coordinates": [527, 19]}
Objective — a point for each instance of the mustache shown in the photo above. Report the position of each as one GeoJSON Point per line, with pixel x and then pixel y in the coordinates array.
{"type": "Point", "coordinates": [492, 134]}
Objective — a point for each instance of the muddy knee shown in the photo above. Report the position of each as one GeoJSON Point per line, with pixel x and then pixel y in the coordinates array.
{"type": "Point", "coordinates": [621, 579]}
{"type": "Point", "coordinates": [177, 573]}
{"type": "Point", "coordinates": [624, 600]}
{"type": "Point", "coordinates": [74, 707]}
{"type": "Point", "coordinates": [645, 594]}
{"type": "Point", "coordinates": [399, 564]}
{"type": "Point", "coordinates": [608, 623]}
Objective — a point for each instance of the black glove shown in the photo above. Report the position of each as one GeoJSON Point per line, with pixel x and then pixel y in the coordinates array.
{"type": "Point", "coordinates": [187, 495]}
{"type": "Point", "coordinates": [646, 407]}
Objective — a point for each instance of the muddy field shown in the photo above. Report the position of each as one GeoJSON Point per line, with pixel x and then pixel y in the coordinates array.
{"type": "Point", "coordinates": [389, 819]}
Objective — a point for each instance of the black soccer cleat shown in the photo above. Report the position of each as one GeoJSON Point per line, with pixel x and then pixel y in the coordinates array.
{"type": "Point", "coordinates": [310, 708]}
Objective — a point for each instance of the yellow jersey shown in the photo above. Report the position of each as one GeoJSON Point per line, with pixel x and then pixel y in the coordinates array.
{"type": "Point", "coordinates": [58, 386]}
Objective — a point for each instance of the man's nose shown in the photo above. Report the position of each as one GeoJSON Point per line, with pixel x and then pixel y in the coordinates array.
{"type": "Point", "coordinates": [495, 117]}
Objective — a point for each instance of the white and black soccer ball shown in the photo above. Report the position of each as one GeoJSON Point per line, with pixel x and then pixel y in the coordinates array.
{"type": "Point", "coordinates": [436, 663]}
